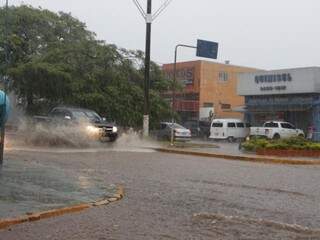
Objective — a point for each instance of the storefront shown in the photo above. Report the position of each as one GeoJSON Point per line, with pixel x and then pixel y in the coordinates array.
{"type": "Point", "coordinates": [291, 95]}
{"type": "Point", "coordinates": [207, 90]}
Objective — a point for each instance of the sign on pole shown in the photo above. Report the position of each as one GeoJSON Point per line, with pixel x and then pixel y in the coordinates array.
{"type": "Point", "coordinates": [207, 49]}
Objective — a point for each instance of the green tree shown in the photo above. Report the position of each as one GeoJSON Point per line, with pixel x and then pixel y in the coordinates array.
{"type": "Point", "coordinates": [55, 60]}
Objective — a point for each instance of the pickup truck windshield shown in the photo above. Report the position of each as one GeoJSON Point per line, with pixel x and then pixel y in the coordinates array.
{"type": "Point", "coordinates": [92, 115]}
{"type": "Point", "coordinates": [79, 115]}
{"type": "Point", "coordinates": [271, 125]}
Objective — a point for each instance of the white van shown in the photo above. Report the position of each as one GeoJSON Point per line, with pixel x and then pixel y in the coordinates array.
{"type": "Point", "coordinates": [230, 129]}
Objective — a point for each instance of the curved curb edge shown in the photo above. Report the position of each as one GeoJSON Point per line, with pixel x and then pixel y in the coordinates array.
{"type": "Point", "coordinates": [241, 158]}
{"type": "Point", "coordinates": [5, 223]}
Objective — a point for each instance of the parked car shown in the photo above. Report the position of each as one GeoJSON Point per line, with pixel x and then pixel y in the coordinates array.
{"type": "Point", "coordinates": [95, 126]}
{"type": "Point", "coordinates": [229, 129]}
{"type": "Point", "coordinates": [198, 128]}
{"type": "Point", "coordinates": [180, 133]}
{"type": "Point", "coordinates": [276, 130]}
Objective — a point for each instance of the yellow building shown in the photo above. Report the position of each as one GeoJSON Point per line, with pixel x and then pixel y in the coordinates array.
{"type": "Point", "coordinates": [209, 90]}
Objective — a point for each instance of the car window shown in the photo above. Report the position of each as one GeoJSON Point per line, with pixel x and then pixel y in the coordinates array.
{"type": "Point", "coordinates": [248, 125]}
{"type": "Point", "coordinates": [217, 125]}
{"type": "Point", "coordinates": [271, 125]}
{"type": "Point", "coordinates": [79, 115]}
{"type": "Point", "coordinates": [57, 113]}
{"type": "Point", "coordinates": [176, 125]}
{"type": "Point", "coordinates": [163, 126]}
{"type": "Point", "coordinates": [231, 125]}
{"type": "Point", "coordinates": [240, 125]}
{"type": "Point", "coordinates": [92, 115]}
{"type": "Point", "coordinates": [287, 126]}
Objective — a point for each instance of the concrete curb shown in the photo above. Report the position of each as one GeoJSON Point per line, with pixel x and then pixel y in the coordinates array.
{"type": "Point", "coordinates": [31, 217]}
{"type": "Point", "coordinates": [241, 158]}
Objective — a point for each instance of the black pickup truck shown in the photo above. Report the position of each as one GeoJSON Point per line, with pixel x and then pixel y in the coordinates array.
{"type": "Point", "coordinates": [95, 126]}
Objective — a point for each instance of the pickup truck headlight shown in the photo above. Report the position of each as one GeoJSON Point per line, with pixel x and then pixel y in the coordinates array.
{"type": "Point", "coordinates": [92, 130]}
{"type": "Point", "coordinates": [114, 129]}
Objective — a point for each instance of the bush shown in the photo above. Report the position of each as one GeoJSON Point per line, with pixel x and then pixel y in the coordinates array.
{"type": "Point", "coordinates": [294, 143]}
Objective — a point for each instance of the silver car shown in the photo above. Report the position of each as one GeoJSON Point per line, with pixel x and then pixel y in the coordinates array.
{"type": "Point", "coordinates": [180, 133]}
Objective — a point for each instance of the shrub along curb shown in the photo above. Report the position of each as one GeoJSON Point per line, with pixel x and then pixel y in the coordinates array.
{"type": "Point", "coordinates": [241, 158]}
{"type": "Point", "coordinates": [4, 223]}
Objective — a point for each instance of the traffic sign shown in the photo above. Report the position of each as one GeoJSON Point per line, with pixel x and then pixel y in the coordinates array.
{"type": "Point", "coordinates": [207, 49]}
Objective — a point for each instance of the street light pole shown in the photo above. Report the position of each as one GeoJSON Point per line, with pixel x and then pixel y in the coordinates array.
{"type": "Point", "coordinates": [2, 135]}
{"type": "Point", "coordinates": [147, 70]}
{"type": "Point", "coordinates": [149, 17]}
{"type": "Point", "coordinates": [174, 87]}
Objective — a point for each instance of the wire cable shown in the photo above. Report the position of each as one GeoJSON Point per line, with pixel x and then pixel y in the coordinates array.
{"type": "Point", "coordinates": [143, 13]}
{"type": "Point", "coordinates": [161, 9]}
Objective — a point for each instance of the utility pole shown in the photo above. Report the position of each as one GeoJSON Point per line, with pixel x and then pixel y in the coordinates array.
{"type": "Point", "coordinates": [147, 70]}
{"type": "Point", "coordinates": [149, 17]}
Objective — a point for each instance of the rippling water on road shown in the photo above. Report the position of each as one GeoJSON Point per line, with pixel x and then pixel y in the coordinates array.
{"type": "Point", "coordinates": [29, 186]}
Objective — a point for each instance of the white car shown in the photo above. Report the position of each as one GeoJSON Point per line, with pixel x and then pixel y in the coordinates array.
{"type": "Point", "coordinates": [180, 133]}
{"type": "Point", "coordinates": [276, 130]}
{"type": "Point", "coordinates": [230, 129]}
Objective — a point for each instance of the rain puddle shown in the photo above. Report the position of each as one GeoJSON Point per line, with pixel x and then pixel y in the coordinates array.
{"type": "Point", "coordinates": [31, 186]}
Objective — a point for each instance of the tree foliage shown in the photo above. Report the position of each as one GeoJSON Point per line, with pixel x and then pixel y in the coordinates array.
{"type": "Point", "coordinates": [55, 60]}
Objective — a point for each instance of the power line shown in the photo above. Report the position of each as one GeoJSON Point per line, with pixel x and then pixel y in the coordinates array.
{"type": "Point", "coordinates": [161, 9]}
{"type": "Point", "coordinates": [156, 14]}
{"type": "Point", "coordinates": [143, 13]}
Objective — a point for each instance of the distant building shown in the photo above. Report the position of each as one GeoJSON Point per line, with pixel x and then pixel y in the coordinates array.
{"type": "Point", "coordinates": [209, 90]}
{"type": "Point", "coordinates": [291, 95]}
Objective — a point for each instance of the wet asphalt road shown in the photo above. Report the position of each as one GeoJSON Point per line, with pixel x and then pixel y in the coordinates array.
{"type": "Point", "coordinates": [183, 197]}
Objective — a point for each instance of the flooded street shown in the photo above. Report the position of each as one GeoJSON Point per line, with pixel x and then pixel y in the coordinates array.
{"type": "Point", "coordinates": [175, 197]}
{"type": "Point", "coordinates": [30, 185]}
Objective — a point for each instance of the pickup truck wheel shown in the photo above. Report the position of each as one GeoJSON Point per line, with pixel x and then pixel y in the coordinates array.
{"type": "Point", "coordinates": [301, 135]}
{"type": "Point", "coordinates": [276, 136]}
{"type": "Point", "coordinates": [230, 139]}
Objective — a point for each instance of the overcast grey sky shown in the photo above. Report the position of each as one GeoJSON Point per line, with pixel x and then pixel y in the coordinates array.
{"type": "Point", "coordinates": [268, 34]}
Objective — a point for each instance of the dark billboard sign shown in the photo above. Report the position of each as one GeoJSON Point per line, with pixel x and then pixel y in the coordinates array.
{"type": "Point", "coordinates": [207, 49]}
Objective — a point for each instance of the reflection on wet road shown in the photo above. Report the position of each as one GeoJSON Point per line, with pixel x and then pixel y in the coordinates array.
{"type": "Point", "coordinates": [29, 186]}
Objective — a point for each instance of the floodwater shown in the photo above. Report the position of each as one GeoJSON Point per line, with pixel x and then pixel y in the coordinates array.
{"type": "Point", "coordinates": [170, 196]}
{"type": "Point", "coordinates": [29, 186]}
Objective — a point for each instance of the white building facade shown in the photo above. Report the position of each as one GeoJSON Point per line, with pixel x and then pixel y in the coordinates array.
{"type": "Point", "coordinates": [291, 95]}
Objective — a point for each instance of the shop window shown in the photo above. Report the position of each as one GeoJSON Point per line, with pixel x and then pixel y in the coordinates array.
{"type": "Point", "coordinates": [207, 105]}
{"type": "Point", "coordinates": [225, 106]}
{"type": "Point", "coordinates": [223, 76]}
